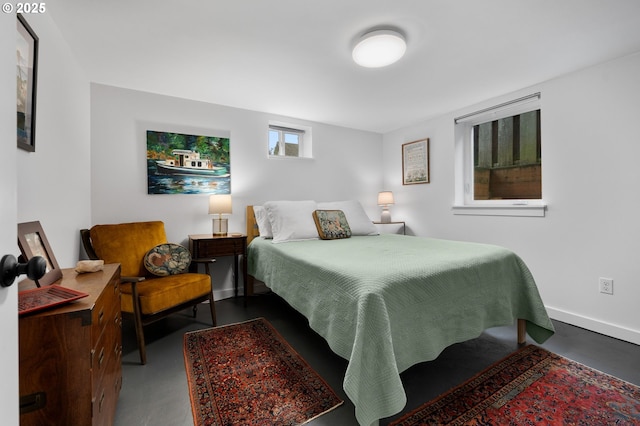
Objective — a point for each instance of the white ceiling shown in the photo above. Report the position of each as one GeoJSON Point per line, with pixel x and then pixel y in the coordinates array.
{"type": "Point", "coordinates": [293, 58]}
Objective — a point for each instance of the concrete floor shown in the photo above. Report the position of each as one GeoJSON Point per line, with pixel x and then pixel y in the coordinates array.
{"type": "Point", "coordinates": [157, 394]}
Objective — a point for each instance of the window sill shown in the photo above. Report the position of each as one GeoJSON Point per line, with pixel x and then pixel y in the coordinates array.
{"type": "Point", "coordinates": [287, 157]}
{"type": "Point", "coordinates": [537, 210]}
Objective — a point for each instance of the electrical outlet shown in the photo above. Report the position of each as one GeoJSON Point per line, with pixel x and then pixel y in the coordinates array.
{"type": "Point", "coordinates": [605, 285]}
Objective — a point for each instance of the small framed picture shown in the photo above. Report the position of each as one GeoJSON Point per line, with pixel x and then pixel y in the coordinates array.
{"type": "Point", "coordinates": [27, 73]}
{"type": "Point", "coordinates": [33, 242]}
{"type": "Point", "coordinates": [415, 162]}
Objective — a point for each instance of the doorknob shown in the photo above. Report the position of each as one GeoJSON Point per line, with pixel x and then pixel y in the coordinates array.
{"type": "Point", "coordinates": [35, 269]}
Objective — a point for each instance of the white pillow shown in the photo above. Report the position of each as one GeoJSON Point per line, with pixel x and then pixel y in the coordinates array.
{"type": "Point", "coordinates": [292, 220]}
{"type": "Point", "coordinates": [264, 226]}
{"type": "Point", "coordinates": [359, 222]}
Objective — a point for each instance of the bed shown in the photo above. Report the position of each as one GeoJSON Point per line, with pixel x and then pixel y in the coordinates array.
{"type": "Point", "coordinates": [387, 302]}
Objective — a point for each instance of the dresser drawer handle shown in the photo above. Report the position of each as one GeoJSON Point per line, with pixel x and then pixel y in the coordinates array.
{"type": "Point", "coordinates": [101, 402]}
{"type": "Point", "coordinates": [100, 316]}
{"type": "Point", "coordinates": [101, 357]}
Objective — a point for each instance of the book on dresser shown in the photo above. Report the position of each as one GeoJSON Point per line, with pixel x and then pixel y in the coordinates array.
{"type": "Point", "coordinates": [71, 355]}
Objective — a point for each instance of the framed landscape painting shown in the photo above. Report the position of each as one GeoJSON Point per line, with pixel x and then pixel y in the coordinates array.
{"type": "Point", "coordinates": [180, 163]}
{"type": "Point", "coordinates": [26, 77]}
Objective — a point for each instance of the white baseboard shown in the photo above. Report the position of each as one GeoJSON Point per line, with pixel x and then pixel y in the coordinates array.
{"type": "Point", "coordinates": [608, 329]}
{"type": "Point", "coordinates": [227, 293]}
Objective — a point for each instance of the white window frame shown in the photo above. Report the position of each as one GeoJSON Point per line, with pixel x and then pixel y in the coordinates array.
{"type": "Point", "coordinates": [304, 139]}
{"type": "Point", "coordinates": [464, 203]}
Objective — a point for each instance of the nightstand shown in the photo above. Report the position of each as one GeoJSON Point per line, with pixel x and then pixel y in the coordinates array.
{"type": "Point", "coordinates": [208, 246]}
{"type": "Point", "coordinates": [391, 227]}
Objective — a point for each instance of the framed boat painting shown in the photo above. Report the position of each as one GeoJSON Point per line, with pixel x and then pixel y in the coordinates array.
{"type": "Point", "coordinates": [179, 163]}
{"type": "Point", "coordinates": [415, 162]}
{"type": "Point", "coordinates": [27, 73]}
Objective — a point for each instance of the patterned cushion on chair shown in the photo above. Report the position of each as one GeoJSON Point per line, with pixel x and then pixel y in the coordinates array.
{"type": "Point", "coordinates": [167, 259]}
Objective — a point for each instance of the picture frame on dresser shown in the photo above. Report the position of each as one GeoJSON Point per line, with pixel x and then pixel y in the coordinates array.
{"type": "Point", "coordinates": [33, 242]}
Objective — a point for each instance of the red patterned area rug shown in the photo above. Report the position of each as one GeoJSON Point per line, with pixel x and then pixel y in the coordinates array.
{"type": "Point", "coordinates": [247, 374]}
{"type": "Point", "coordinates": [533, 387]}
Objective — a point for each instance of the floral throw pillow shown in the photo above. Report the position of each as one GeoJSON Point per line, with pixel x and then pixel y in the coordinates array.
{"type": "Point", "coordinates": [167, 259]}
{"type": "Point", "coordinates": [331, 224]}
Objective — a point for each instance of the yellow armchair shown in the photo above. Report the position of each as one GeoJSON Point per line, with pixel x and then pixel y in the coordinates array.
{"type": "Point", "coordinates": [145, 296]}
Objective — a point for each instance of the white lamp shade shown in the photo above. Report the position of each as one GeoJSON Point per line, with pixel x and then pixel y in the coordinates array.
{"type": "Point", "coordinates": [385, 198]}
{"type": "Point", "coordinates": [379, 48]}
{"type": "Point", "coordinates": [220, 204]}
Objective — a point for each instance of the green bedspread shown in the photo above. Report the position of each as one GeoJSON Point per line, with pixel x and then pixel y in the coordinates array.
{"type": "Point", "coordinates": [387, 302]}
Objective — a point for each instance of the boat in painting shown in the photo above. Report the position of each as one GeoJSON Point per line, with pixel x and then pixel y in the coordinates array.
{"type": "Point", "coordinates": [188, 162]}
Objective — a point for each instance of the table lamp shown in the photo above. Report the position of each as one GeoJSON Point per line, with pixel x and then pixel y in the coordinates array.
{"type": "Point", "coordinates": [220, 204]}
{"type": "Point", "coordinates": [384, 199]}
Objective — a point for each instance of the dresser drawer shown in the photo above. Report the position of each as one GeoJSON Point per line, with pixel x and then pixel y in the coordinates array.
{"type": "Point", "coordinates": [105, 398]}
{"type": "Point", "coordinates": [101, 313]}
{"type": "Point", "coordinates": [108, 347]}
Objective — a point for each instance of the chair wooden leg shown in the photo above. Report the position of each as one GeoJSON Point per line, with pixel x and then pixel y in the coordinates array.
{"type": "Point", "coordinates": [212, 305]}
{"type": "Point", "coordinates": [137, 319]}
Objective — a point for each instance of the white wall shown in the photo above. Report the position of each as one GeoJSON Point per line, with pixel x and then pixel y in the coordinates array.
{"type": "Point", "coordinates": [50, 185]}
{"type": "Point", "coordinates": [590, 175]}
{"type": "Point", "coordinates": [346, 164]}
{"type": "Point", "coordinates": [8, 296]}
{"type": "Point", "coordinates": [53, 181]}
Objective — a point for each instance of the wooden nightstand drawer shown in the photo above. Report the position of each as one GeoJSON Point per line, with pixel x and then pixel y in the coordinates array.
{"type": "Point", "coordinates": [222, 247]}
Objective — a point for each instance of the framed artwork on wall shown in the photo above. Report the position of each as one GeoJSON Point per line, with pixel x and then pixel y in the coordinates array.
{"type": "Point", "coordinates": [27, 76]}
{"type": "Point", "coordinates": [33, 242]}
{"type": "Point", "coordinates": [415, 162]}
{"type": "Point", "coordinates": [180, 163]}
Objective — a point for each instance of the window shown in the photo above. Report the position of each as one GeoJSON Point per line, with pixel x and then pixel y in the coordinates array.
{"type": "Point", "coordinates": [289, 141]}
{"type": "Point", "coordinates": [499, 160]}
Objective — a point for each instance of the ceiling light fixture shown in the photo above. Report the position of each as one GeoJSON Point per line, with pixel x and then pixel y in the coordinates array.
{"type": "Point", "coordinates": [379, 48]}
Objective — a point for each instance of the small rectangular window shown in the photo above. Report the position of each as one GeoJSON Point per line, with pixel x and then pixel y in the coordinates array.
{"type": "Point", "coordinates": [499, 159]}
{"type": "Point", "coordinates": [285, 141]}
{"type": "Point", "coordinates": [507, 160]}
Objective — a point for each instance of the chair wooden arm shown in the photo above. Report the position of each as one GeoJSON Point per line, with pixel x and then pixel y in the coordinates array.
{"type": "Point", "coordinates": [204, 260]}
{"type": "Point", "coordinates": [132, 279]}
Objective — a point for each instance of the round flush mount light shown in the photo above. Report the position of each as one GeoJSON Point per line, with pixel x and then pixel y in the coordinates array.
{"type": "Point", "coordinates": [379, 48]}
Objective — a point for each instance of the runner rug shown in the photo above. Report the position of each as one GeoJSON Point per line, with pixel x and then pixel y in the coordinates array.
{"type": "Point", "coordinates": [247, 374]}
{"type": "Point", "coordinates": [533, 386]}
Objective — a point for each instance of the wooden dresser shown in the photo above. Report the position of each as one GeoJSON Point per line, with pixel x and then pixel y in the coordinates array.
{"type": "Point", "coordinates": [70, 356]}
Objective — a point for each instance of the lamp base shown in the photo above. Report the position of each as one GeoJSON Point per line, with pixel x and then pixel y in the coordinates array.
{"type": "Point", "coordinates": [386, 216]}
{"type": "Point", "coordinates": [220, 226]}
